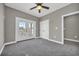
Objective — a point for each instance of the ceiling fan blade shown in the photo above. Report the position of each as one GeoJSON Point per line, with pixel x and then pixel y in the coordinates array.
{"type": "Point", "coordinates": [45, 7]}
{"type": "Point", "coordinates": [39, 11]}
{"type": "Point", "coordinates": [33, 8]}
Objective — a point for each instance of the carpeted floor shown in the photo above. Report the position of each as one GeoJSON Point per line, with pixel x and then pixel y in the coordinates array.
{"type": "Point", "coordinates": [41, 47]}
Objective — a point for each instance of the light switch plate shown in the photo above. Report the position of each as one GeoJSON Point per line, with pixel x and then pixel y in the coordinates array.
{"type": "Point", "coordinates": [56, 28]}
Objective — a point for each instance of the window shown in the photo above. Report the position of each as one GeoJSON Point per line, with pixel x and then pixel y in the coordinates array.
{"type": "Point", "coordinates": [26, 26]}
{"type": "Point", "coordinates": [23, 26]}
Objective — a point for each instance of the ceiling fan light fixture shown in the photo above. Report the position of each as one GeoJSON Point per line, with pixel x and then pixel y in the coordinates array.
{"type": "Point", "coordinates": [39, 7]}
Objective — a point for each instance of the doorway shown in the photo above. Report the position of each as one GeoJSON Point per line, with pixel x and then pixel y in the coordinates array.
{"type": "Point", "coordinates": [70, 28]}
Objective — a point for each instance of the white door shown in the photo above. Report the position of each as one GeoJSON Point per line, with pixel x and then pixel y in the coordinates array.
{"type": "Point", "coordinates": [44, 29]}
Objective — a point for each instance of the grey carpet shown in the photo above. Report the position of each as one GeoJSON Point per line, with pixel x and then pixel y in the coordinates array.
{"type": "Point", "coordinates": [41, 47]}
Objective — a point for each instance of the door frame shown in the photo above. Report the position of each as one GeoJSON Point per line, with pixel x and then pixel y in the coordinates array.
{"type": "Point", "coordinates": [63, 16]}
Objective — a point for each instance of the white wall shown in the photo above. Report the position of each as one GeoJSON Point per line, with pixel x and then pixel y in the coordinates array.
{"type": "Point", "coordinates": [1, 25]}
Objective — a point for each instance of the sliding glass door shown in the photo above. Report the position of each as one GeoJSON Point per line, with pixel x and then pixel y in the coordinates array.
{"type": "Point", "coordinates": [25, 29]}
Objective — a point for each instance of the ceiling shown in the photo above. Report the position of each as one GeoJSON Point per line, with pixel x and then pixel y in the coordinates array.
{"type": "Point", "coordinates": [25, 7]}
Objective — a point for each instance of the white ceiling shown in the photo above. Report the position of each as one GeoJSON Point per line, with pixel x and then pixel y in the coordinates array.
{"type": "Point", "coordinates": [25, 7]}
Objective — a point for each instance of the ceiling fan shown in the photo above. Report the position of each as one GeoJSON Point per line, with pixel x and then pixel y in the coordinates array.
{"type": "Point", "coordinates": [39, 7]}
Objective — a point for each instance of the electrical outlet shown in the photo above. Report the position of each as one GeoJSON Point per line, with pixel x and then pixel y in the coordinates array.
{"type": "Point", "coordinates": [75, 36]}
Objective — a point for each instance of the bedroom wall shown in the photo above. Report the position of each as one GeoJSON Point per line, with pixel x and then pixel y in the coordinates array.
{"type": "Point", "coordinates": [10, 15]}
{"type": "Point", "coordinates": [55, 19]}
{"type": "Point", "coordinates": [1, 25]}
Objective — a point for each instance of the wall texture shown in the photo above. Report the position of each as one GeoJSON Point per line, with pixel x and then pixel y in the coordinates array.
{"type": "Point", "coordinates": [1, 25]}
{"type": "Point", "coordinates": [71, 24]}
{"type": "Point", "coordinates": [56, 21]}
{"type": "Point", "coordinates": [10, 15]}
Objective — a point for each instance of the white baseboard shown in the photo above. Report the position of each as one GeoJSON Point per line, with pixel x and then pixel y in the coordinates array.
{"type": "Point", "coordinates": [9, 43]}
{"type": "Point", "coordinates": [5, 45]}
{"type": "Point", "coordinates": [17, 41]}
{"type": "Point", "coordinates": [54, 41]}
{"type": "Point", "coordinates": [25, 39]}
{"type": "Point", "coordinates": [2, 49]}
{"type": "Point", "coordinates": [74, 40]}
